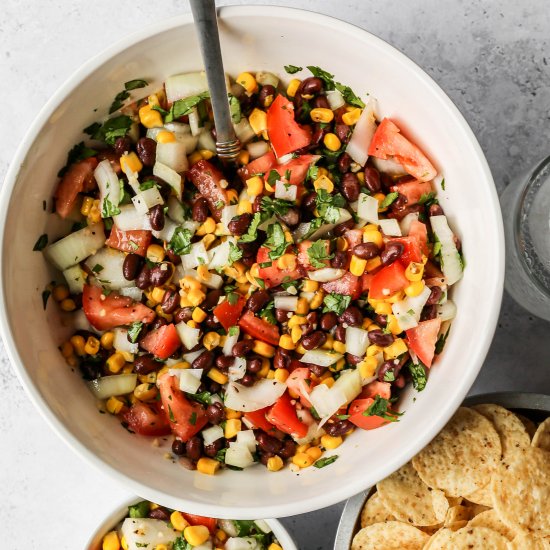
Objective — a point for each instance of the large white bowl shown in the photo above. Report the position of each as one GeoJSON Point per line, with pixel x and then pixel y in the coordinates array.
{"type": "Point", "coordinates": [121, 512]}
{"type": "Point", "coordinates": [253, 38]}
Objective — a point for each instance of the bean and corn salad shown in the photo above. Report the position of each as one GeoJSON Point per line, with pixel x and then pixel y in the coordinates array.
{"type": "Point", "coordinates": [262, 311]}
{"type": "Point", "coordinates": [149, 526]}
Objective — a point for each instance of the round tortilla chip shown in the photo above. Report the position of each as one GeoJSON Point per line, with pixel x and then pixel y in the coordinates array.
{"type": "Point", "coordinates": [541, 439]}
{"type": "Point", "coordinates": [374, 511]}
{"type": "Point", "coordinates": [440, 540]}
{"type": "Point", "coordinates": [484, 538]}
{"type": "Point", "coordinates": [512, 432]}
{"type": "Point", "coordinates": [526, 541]}
{"type": "Point", "coordinates": [481, 496]}
{"type": "Point", "coordinates": [409, 499]}
{"type": "Point", "coordinates": [490, 519]}
{"type": "Point", "coordinates": [390, 535]}
{"type": "Point", "coordinates": [457, 517]}
{"type": "Point", "coordinates": [521, 491]}
{"type": "Point", "coordinates": [462, 457]}
{"type": "Point", "coordinates": [475, 508]}
{"type": "Point", "coordinates": [529, 425]}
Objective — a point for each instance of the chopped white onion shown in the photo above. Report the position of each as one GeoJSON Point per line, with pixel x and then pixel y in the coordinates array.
{"type": "Point", "coordinates": [238, 369]}
{"type": "Point", "coordinates": [389, 166]}
{"type": "Point", "coordinates": [212, 434]}
{"type": "Point", "coordinates": [152, 133]}
{"type": "Point", "coordinates": [189, 141]}
{"type": "Point", "coordinates": [188, 335]}
{"type": "Point", "coordinates": [108, 184]}
{"type": "Point", "coordinates": [132, 292]}
{"type": "Point", "coordinates": [262, 525]}
{"type": "Point", "coordinates": [219, 255]}
{"type": "Point", "coordinates": [242, 543]}
{"type": "Point", "coordinates": [228, 525]}
{"type": "Point", "coordinates": [406, 222]}
{"type": "Point", "coordinates": [121, 342]}
{"type": "Point", "coordinates": [192, 355]}
{"type": "Point", "coordinates": [175, 210]}
{"type": "Point", "coordinates": [230, 341]}
{"type": "Point", "coordinates": [190, 379]}
{"type": "Point", "coordinates": [246, 399]}
{"type": "Point", "coordinates": [196, 256]}
{"type": "Point", "coordinates": [167, 232]}
{"type": "Point", "coordinates": [284, 159]}
{"type": "Point", "coordinates": [145, 200]}
{"type": "Point", "coordinates": [408, 310]}
{"type": "Point", "coordinates": [325, 401]}
{"type": "Point", "coordinates": [178, 128]}
{"type": "Point", "coordinates": [244, 131]}
{"type": "Point", "coordinates": [257, 148]}
{"type": "Point", "coordinates": [147, 533]}
{"type": "Point", "coordinates": [285, 191]}
{"type": "Point", "coordinates": [195, 122]}
{"type": "Point", "coordinates": [357, 341]}
{"type": "Point", "coordinates": [180, 86]}
{"type": "Point", "coordinates": [451, 262]}
{"type": "Point", "coordinates": [228, 213]}
{"type": "Point", "coordinates": [303, 228]}
{"type": "Point", "coordinates": [76, 247]}
{"type": "Point", "coordinates": [321, 357]}
{"type": "Point", "coordinates": [206, 141]}
{"type": "Point", "coordinates": [367, 208]}
{"type": "Point", "coordinates": [286, 303]}
{"type": "Point", "coordinates": [246, 437]}
{"type": "Point", "coordinates": [107, 264]}
{"type": "Point", "coordinates": [238, 455]}
{"type": "Point", "coordinates": [75, 278]}
{"type": "Point", "coordinates": [326, 274]}
{"type": "Point", "coordinates": [446, 311]}
{"type": "Point", "coordinates": [118, 384]}
{"type": "Point", "coordinates": [349, 383]}
{"type": "Point", "coordinates": [315, 431]}
{"type": "Point", "coordinates": [358, 145]}
{"type": "Point", "coordinates": [172, 154]}
{"type": "Point", "coordinates": [130, 219]}
{"type": "Point", "coordinates": [390, 227]}
{"type": "Point", "coordinates": [265, 77]}
{"type": "Point", "coordinates": [171, 177]}
{"type": "Point", "coordinates": [335, 99]}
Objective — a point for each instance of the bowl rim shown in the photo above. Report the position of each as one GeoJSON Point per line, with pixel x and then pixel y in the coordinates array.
{"type": "Point", "coordinates": [494, 299]}
{"type": "Point", "coordinates": [525, 401]}
{"type": "Point", "coordinates": [118, 513]}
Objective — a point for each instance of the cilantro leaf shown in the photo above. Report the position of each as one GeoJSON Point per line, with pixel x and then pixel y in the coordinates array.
{"type": "Point", "coordinates": [193, 418]}
{"type": "Point", "coordinates": [181, 544]}
{"type": "Point", "coordinates": [337, 303]}
{"type": "Point", "coordinates": [135, 84]}
{"type": "Point", "coordinates": [110, 130]}
{"type": "Point", "coordinates": [330, 84]}
{"type": "Point", "coordinates": [118, 101]}
{"type": "Point", "coordinates": [108, 209]}
{"type": "Point", "coordinates": [76, 154]}
{"type": "Point", "coordinates": [149, 184]}
{"type": "Point", "coordinates": [133, 331]}
{"type": "Point", "coordinates": [325, 76]}
{"type": "Point", "coordinates": [312, 172]}
{"type": "Point", "coordinates": [41, 243]}
{"type": "Point", "coordinates": [390, 198]}
{"type": "Point", "coordinates": [202, 397]}
{"type": "Point", "coordinates": [380, 408]}
{"type": "Point", "coordinates": [428, 199]}
{"type": "Point", "coordinates": [276, 241]}
{"type": "Point", "coordinates": [440, 344]}
{"type": "Point", "coordinates": [268, 313]}
{"type": "Point", "coordinates": [418, 374]}
{"type": "Point", "coordinates": [235, 253]}
{"type": "Point", "coordinates": [45, 295]}
{"type": "Point", "coordinates": [292, 69]}
{"type": "Point", "coordinates": [275, 206]}
{"type": "Point", "coordinates": [182, 107]}
{"type": "Point", "coordinates": [233, 331]}
{"type": "Point", "coordinates": [322, 462]}
{"type": "Point", "coordinates": [180, 243]}
{"type": "Point", "coordinates": [235, 109]}
{"type": "Point", "coordinates": [139, 510]}
{"type": "Point", "coordinates": [220, 455]}
{"type": "Point", "coordinates": [349, 95]}
{"type": "Point", "coordinates": [317, 252]}
{"type": "Point", "coordinates": [443, 184]}
{"type": "Point", "coordinates": [328, 205]}
{"type": "Point", "coordinates": [252, 234]}
{"type": "Point", "coordinates": [273, 177]}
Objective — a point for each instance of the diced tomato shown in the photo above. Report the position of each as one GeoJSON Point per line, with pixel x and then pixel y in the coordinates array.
{"type": "Point", "coordinates": [356, 410]}
{"type": "Point", "coordinates": [186, 417]}
{"type": "Point", "coordinates": [147, 419]}
{"type": "Point", "coordinates": [422, 340]}
{"type": "Point", "coordinates": [259, 328]}
{"type": "Point", "coordinates": [135, 241]}
{"type": "Point", "coordinates": [285, 134]}
{"type": "Point", "coordinates": [354, 237]}
{"type": "Point", "coordinates": [372, 389]}
{"type": "Point", "coordinates": [296, 383]}
{"type": "Point", "coordinates": [258, 420]}
{"type": "Point", "coordinates": [207, 179]}
{"type": "Point", "coordinates": [389, 142]}
{"type": "Point", "coordinates": [388, 281]}
{"type": "Point", "coordinates": [303, 257]}
{"type": "Point", "coordinates": [273, 275]}
{"type": "Point", "coordinates": [283, 416]}
{"type": "Point", "coordinates": [296, 168]}
{"type": "Point", "coordinates": [366, 280]}
{"type": "Point", "coordinates": [349, 285]}
{"type": "Point", "coordinates": [412, 251]}
{"type": "Point", "coordinates": [162, 342]}
{"type": "Point", "coordinates": [107, 312]}
{"type": "Point", "coordinates": [228, 314]}
{"type": "Point", "coordinates": [261, 165]}
{"type": "Point", "coordinates": [419, 232]}
{"type": "Point", "coordinates": [413, 190]}
{"type": "Point", "coordinates": [193, 519]}
{"type": "Point", "coordinates": [78, 178]}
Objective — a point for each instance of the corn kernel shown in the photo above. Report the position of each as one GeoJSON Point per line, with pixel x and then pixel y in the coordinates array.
{"type": "Point", "coordinates": [302, 460]}
{"type": "Point", "coordinates": [332, 142]}
{"type": "Point", "coordinates": [164, 136]}
{"type": "Point", "coordinates": [380, 198]}
{"type": "Point", "coordinates": [367, 367]}
{"type": "Point", "coordinates": [68, 304]}
{"type": "Point", "coordinates": [94, 216]}
{"type": "Point", "coordinates": [397, 297]}
{"type": "Point", "coordinates": [317, 299]}
{"type": "Point", "coordinates": [211, 340]}
{"type": "Point", "coordinates": [207, 154]}
{"type": "Point", "coordinates": [303, 306]}
{"type": "Point", "coordinates": [373, 349]}
{"type": "Point", "coordinates": [258, 121]}
{"type": "Point", "coordinates": [107, 339]}
{"type": "Point", "coordinates": [328, 381]}
{"type": "Point", "coordinates": [221, 535]}
{"type": "Point", "coordinates": [199, 315]}
{"type": "Point", "coordinates": [393, 325]}
{"type": "Point", "coordinates": [178, 521]}
{"type": "Point", "coordinates": [232, 428]}
{"type": "Point", "coordinates": [196, 297]}
{"type": "Point", "coordinates": [146, 392]}
{"type": "Point", "coordinates": [161, 547]}
{"type": "Point", "coordinates": [373, 263]}
{"type": "Point", "coordinates": [78, 343]}
{"type": "Point", "coordinates": [130, 163]}
{"type": "Point", "coordinates": [296, 334]}
{"type": "Point", "coordinates": [351, 117]}
{"type": "Point", "coordinates": [342, 244]}
{"type": "Point", "coordinates": [254, 186]}
{"type": "Point", "coordinates": [218, 376]}
{"type": "Point", "coordinates": [275, 463]}
{"type": "Point", "coordinates": [323, 182]}
{"type": "Point", "coordinates": [300, 349]}
{"type": "Point", "coordinates": [208, 226]}
{"type": "Point", "coordinates": [244, 207]}
{"type": "Point", "coordinates": [314, 452]}
{"type": "Point", "coordinates": [114, 405]}
{"type": "Point", "coordinates": [366, 323]}
{"type": "Point", "coordinates": [155, 253]}
{"type": "Point", "coordinates": [149, 117]}
{"type": "Point", "coordinates": [330, 442]}
{"type": "Point", "coordinates": [373, 236]}
{"type": "Point", "coordinates": [92, 345]}
{"type": "Point", "coordinates": [157, 294]}
{"type": "Point", "coordinates": [329, 342]}
{"type": "Point", "coordinates": [414, 272]}
{"type": "Point", "coordinates": [303, 448]}
{"type": "Point", "coordinates": [338, 366]}
{"type": "Point", "coordinates": [296, 320]}
{"type": "Point", "coordinates": [150, 378]}
{"type": "Point", "coordinates": [396, 349]}
{"type": "Point", "coordinates": [281, 375]}
{"type": "Point", "coordinates": [263, 349]}
{"type": "Point", "coordinates": [67, 349]}
{"type": "Point", "coordinates": [287, 262]}
{"type": "Point", "coordinates": [115, 362]}
{"type": "Point", "coordinates": [194, 158]}
{"type": "Point", "coordinates": [321, 114]}
{"type": "Point", "coordinates": [339, 347]}
{"type": "Point", "coordinates": [196, 535]}
{"type": "Point", "coordinates": [230, 413]}
{"type": "Point", "coordinates": [60, 293]}
{"type": "Point", "coordinates": [292, 87]}
{"type": "Point", "coordinates": [123, 543]}
{"type": "Point", "coordinates": [87, 204]}
{"type": "Point", "coordinates": [243, 157]}
{"type": "Point", "coordinates": [383, 308]}
{"type": "Point", "coordinates": [111, 541]}
{"type": "Point", "coordinates": [207, 466]}
{"type": "Point", "coordinates": [285, 342]}
{"type": "Point", "coordinates": [309, 286]}
{"type": "Point", "coordinates": [274, 546]}
{"type": "Point", "coordinates": [414, 289]}
{"type": "Point", "coordinates": [248, 82]}
{"type": "Point", "coordinates": [357, 265]}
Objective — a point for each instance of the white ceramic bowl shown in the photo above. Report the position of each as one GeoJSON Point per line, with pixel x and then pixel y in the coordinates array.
{"type": "Point", "coordinates": [121, 511]}
{"type": "Point", "coordinates": [253, 38]}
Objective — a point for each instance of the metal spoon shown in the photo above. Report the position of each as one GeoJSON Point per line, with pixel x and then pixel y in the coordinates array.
{"type": "Point", "coordinates": [204, 13]}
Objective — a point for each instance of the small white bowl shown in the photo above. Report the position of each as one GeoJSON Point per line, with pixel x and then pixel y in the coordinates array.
{"type": "Point", "coordinates": [253, 38]}
{"type": "Point", "coordinates": [121, 511]}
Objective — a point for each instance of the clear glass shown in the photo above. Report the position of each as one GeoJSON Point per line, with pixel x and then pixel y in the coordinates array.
{"type": "Point", "coordinates": [526, 212]}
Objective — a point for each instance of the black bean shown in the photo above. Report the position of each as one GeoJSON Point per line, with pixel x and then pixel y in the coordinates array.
{"type": "Point", "coordinates": [281, 315]}
{"type": "Point", "coordinates": [147, 151]}
{"type": "Point", "coordinates": [380, 338]}
{"type": "Point", "coordinates": [264, 457]}
{"type": "Point", "coordinates": [214, 448]}
{"type": "Point", "coordinates": [242, 348]}
{"type": "Point", "coordinates": [144, 364]}
{"type": "Point", "coordinates": [309, 202]}
{"type": "Point", "coordinates": [89, 370]}
{"type": "Point", "coordinates": [170, 301]}
{"type": "Point", "coordinates": [288, 449]}
{"type": "Point", "coordinates": [223, 362]}
{"type": "Point", "coordinates": [239, 224]}
{"type": "Point", "coordinates": [157, 323]}
{"type": "Point", "coordinates": [254, 365]}
{"type": "Point", "coordinates": [340, 334]}
{"type": "Point", "coordinates": [320, 102]}
{"type": "Point", "coordinates": [200, 211]}
{"type": "Point", "coordinates": [266, 95]}
{"type": "Point", "coordinates": [193, 448]}
{"type": "Point", "coordinates": [343, 163]}
{"type": "Point", "coordinates": [366, 251]}
{"type": "Point", "coordinates": [268, 444]}
{"type": "Point", "coordinates": [428, 312]}
{"type": "Point", "coordinates": [319, 132]}
{"type": "Point", "coordinates": [211, 322]}
{"type": "Point", "coordinates": [183, 315]}
{"type": "Point", "coordinates": [435, 210]}
{"type": "Point", "coordinates": [317, 370]}
{"type": "Point", "coordinates": [392, 367]}
{"type": "Point", "coordinates": [123, 145]}
{"type": "Point", "coordinates": [248, 380]}
{"type": "Point", "coordinates": [351, 316]}
{"type": "Point", "coordinates": [380, 320]}
{"type": "Point", "coordinates": [342, 131]}
{"type": "Point", "coordinates": [314, 340]}
{"type": "Point", "coordinates": [143, 280]}
{"type": "Point", "coordinates": [257, 300]}
{"type": "Point", "coordinates": [178, 447]}
{"type": "Point", "coordinates": [338, 428]}
{"type": "Point", "coordinates": [343, 228]}
{"type": "Point", "coordinates": [161, 513]}
{"type": "Point", "coordinates": [281, 359]}
{"type": "Point", "coordinates": [340, 261]}
{"type": "Point", "coordinates": [160, 274]}
{"type": "Point", "coordinates": [204, 361]}
{"type": "Point", "coordinates": [372, 179]}
{"type": "Point", "coordinates": [291, 217]}
{"type": "Point", "coordinates": [215, 413]}
{"type": "Point", "coordinates": [132, 266]}
{"type": "Point", "coordinates": [435, 296]}
{"type": "Point", "coordinates": [353, 359]}
{"type": "Point", "coordinates": [392, 252]}
{"type": "Point", "coordinates": [350, 186]}
{"type": "Point", "coordinates": [311, 86]}
{"type": "Point", "coordinates": [329, 321]}
{"type": "Point", "coordinates": [156, 217]}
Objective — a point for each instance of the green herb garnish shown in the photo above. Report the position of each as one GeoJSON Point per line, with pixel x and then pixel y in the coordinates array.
{"type": "Point", "coordinates": [390, 198]}
{"type": "Point", "coordinates": [330, 84]}
{"type": "Point", "coordinates": [380, 408]}
{"type": "Point", "coordinates": [135, 84]}
{"type": "Point", "coordinates": [180, 243]}
{"type": "Point", "coordinates": [41, 243]}
{"type": "Point", "coordinates": [133, 331]}
{"type": "Point", "coordinates": [322, 462]}
{"type": "Point", "coordinates": [337, 303]}
{"type": "Point", "coordinates": [252, 233]}
{"type": "Point", "coordinates": [418, 374]}
{"type": "Point", "coordinates": [235, 253]}
{"type": "Point", "coordinates": [293, 69]}
{"type": "Point", "coordinates": [182, 107]}
{"type": "Point", "coordinates": [276, 241]}
{"type": "Point", "coordinates": [139, 510]}
{"type": "Point", "coordinates": [318, 253]}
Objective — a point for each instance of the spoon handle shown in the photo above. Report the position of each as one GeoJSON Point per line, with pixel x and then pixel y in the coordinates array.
{"type": "Point", "coordinates": [204, 13]}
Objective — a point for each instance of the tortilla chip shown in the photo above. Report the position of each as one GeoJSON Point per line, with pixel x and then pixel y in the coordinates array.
{"type": "Point", "coordinates": [529, 425]}
{"type": "Point", "coordinates": [390, 535]}
{"type": "Point", "coordinates": [462, 457]}
{"type": "Point", "coordinates": [374, 511]}
{"type": "Point", "coordinates": [457, 517]}
{"type": "Point", "coordinates": [490, 519]}
{"type": "Point", "coordinates": [475, 508]}
{"type": "Point", "coordinates": [440, 540]}
{"type": "Point", "coordinates": [481, 538]}
{"type": "Point", "coordinates": [481, 496]}
{"type": "Point", "coordinates": [409, 499]}
{"type": "Point", "coordinates": [541, 439]}
{"type": "Point", "coordinates": [526, 541]}
{"type": "Point", "coordinates": [521, 491]}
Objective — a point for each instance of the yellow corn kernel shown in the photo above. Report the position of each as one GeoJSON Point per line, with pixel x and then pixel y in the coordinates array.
{"type": "Point", "coordinates": [275, 463]}
{"type": "Point", "coordinates": [285, 342]}
{"type": "Point", "coordinates": [114, 405]}
{"type": "Point", "coordinates": [342, 244]}
{"type": "Point", "coordinates": [314, 452]}
{"type": "Point", "coordinates": [60, 293]}
{"type": "Point", "coordinates": [373, 349]}
{"type": "Point", "coordinates": [149, 117]}
{"type": "Point", "coordinates": [366, 323]}
{"type": "Point", "coordinates": [303, 306]}
{"type": "Point", "coordinates": [111, 541]}
{"type": "Point", "coordinates": [296, 320]}
{"type": "Point", "coordinates": [380, 197]}
{"type": "Point", "coordinates": [244, 207]}
{"type": "Point", "coordinates": [258, 121]}
{"type": "Point", "coordinates": [150, 378]}
{"type": "Point", "coordinates": [232, 196]}
{"type": "Point", "coordinates": [161, 547]}
{"type": "Point", "coordinates": [153, 100]}
{"type": "Point", "coordinates": [329, 342]}
{"type": "Point", "coordinates": [196, 535]}
{"type": "Point", "coordinates": [199, 315]}
{"type": "Point", "coordinates": [351, 117]}
{"type": "Point", "coordinates": [115, 362]}
{"type": "Point", "coordinates": [155, 253]}
{"type": "Point", "coordinates": [274, 546]}
{"type": "Point", "coordinates": [230, 413]}
{"type": "Point", "coordinates": [196, 297]}
{"type": "Point", "coordinates": [180, 365]}
{"type": "Point", "coordinates": [393, 325]}
{"type": "Point", "coordinates": [92, 345]}
{"type": "Point", "coordinates": [414, 272]}
{"type": "Point", "coordinates": [332, 142]}
{"type": "Point", "coordinates": [330, 442]}
{"type": "Point", "coordinates": [302, 460]}
{"type": "Point", "coordinates": [271, 374]}
{"type": "Point", "coordinates": [178, 521]}
{"type": "Point", "coordinates": [87, 204]}
{"type": "Point", "coordinates": [208, 466]}
{"type": "Point", "coordinates": [68, 304]}
{"type": "Point", "coordinates": [373, 236]}
{"type": "Point", "coordinates": [157, 294]}
{"type": "Point", "coordinates": [164, 136]}
{"type": "Point", "coordinates": [357, 265]}
{"type": "Point", "coordinates": [107, 339]}
{"type": "Point", "coordinates": [248, 82]}
{"type": "Point", "coordinates": [254, 186]}
{"type": "Point", "coordinates": [263, 349]}
{"type": "Point", "coordinates": [373, 263]}
{"type": "Point", "coordinates": [321, 114]}
{"type": "Point", "coordinates": [281, 375]}
{"type": "Point", "coordinates": [303, 448]}
{"type": "Point", "coordinates": [123, 543]}
{"type": "Point", "coordinates": [414, 289]}
{"type": "Point", "coordinates": [221, 535]}
{"type": "Point", "coordinates": [339, 347]}
{"type": "Point", "coordinates": [146, 392]}
{"type": "Point", "coordinates": [338, 366]}
{"type": "Point", "coordinates": [323, 182]}
{"type": "Point", "coordinates": [211, 340]}
{"type": "Point", "coordinates": [383, 308]}
{"type": "Point", "coordinates": [300, 349]}
{"type": "Point", "coordinates": [206, 154]}
{"type": "Point", "coordinates": [296, 334]}
{"type": "Point", "coordinates": [208, 226]}
{"type": "Point", "coordinates": [292, 87]}
{"type": "Point", "coordinates": [287, 261]}
{"type": "Point", "coordinates": [397, 297]}
{"type": "Point", "coordinates": [317, 299]}
{"type": "Point", "coordinates": [396, 349]}
{"type": "Point", "coordinates": [130, 163]}
{"type": "Point", "coordinates": [235, 271]}
{"type": "Point", "coordinates": [218, 376]}
{"type": "Point", "coordinates": [367, 367]}
{"type": "Point", "coordinates": [94, 215]}
{"type": "Point", "coordinates": [78, 343]}
{"type": "Point", "coordinates": [67, 349]}
{"type": "Point", "coordinates": [328, 381]}
{"type": "Point", "coordinates": [243, 157]}
{"type": "Point", "coordinates": [309, 286]}
{"type": "Point", "coordinates": [194, 158]}
{"type": "Point", "coordinates": [232, 428]}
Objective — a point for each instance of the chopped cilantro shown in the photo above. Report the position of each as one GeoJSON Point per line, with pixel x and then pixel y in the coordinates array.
{"type": "Point", "coordinates": [108, 209]}
{"type": "Point", "coordinates": [312, 172]}
{"type": "Point", "coordinates": [428, 199]}
{"type": "Point", "coordinates": [380, 408]}
{"type": "Point", "coordinates": [317, 254]}
{"type": "Point", "coordinates": [275, 206]}
{"type": "Point", "coordinates": [110, 130]}
{"type": "Point", "coordinates": [328, 205]}
{"type": "Point", "coordinates": [260, 282]}
{"type": "Point", "coordinates": [234, 109]}
{"type": "Point", "coordinates": [45, 295]}
{"type": "Point", "coordinates": [418, 374]}
{"type": "Point", "coordinates": [76, 154]}
{"type": "Point", "coordinates": [264, 265]}
{"type": "Point", "coordinates": [233, 331]}
{"type": "Point", "coordinates": [389, 376]}
{"type": "Point", "coordinates": [440, 344]}
{"type": "Point", "coordinates": [343, 416]}
{"type": "Point", "coordinates": [314, 224]}
{"type": "Point", "coordinates": [235, 253]}
{"type": "Point", "coordinates": [390, 198]}
{"type": "Point", "coordinates": [252, 234]}
{"type": "Point", "coordinates": [98, 268]}
{"type": "Point", "coordinates": [139, 510]}
{"type": "Point", "coordinates": [232, 298]}
{"type": "Point", "coordinates": [330, 84]}
{"type": "Point", "coordinates": [180, 243]}
{"type": "Point", "coordinates": [118, 101]}
{"type": "Point", "coordinates": [337, 303]}
{"type": "Point", "coordinates": [202, 397]}
{"type": "Point", "coordinates": [322, 462]}
{"type": "Point", "coordinates": [182, 107]}
{"type": "Point", "coordinates": [268, 313]}
{"type": "Point", "coordinates": [181, 544]}
{"type": "Point", "coordinates": [149, 184]}
{"type": "Point", "coordinates": [220, 455]}
{"type": "Point", "coordinates": [273, 177]}
{"type": "Point", "coordinates": [133, 331]}
{"type": "Point", "coordinates": [443, 184]}
{"type": "Point", "coordinates": [193, 418]}
{"type": "Point", "coordinates": [276, 241]}
{"type": "Point", "coordinates": [135, 84]}
{"type": "Point", "coordinates": [314, 413]}
{"type": "Point", "coordinates": [41, 243]}
{"type": "Point", "coordinates": [171, 415]}
{"type": "Point", "coordinates": [293, 69]}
